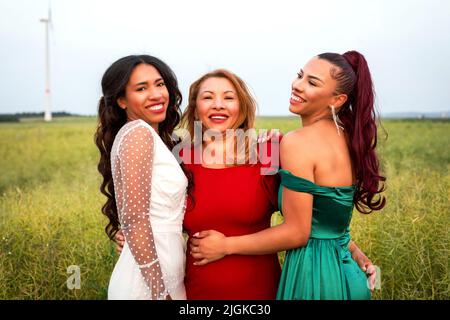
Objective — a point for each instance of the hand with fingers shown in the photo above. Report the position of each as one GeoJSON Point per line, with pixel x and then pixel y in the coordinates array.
{"type": "Point", "coordinates": [269, 135]}
{"type": "Point", "coordinates": [367, 266]}
{"type": "Point", "coordinates": [120, 241]}
{"type": "Point", "coordinates": [371, 273]}
{"type": "Point", "coordinates": [208, 246]}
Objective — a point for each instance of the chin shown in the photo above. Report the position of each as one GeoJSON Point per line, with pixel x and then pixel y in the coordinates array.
{"type": "Point", "coordinates": [158, 118]}
{"type": "Point", "coordinates": [222, 127]}
{"type": "Point", "coordinates": [294, 110]}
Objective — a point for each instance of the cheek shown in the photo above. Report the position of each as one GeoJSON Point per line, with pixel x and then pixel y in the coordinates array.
{"type": "Point", "coordinates": [233, 109]}
{"type": "Point", "coordinates": [315, 96]}
{"type": "Point", "coordinates": [134, 99]}
{"type": "Point", "coordinates": [202, 110]}
{"type": "Point", "coordinates": [165, 93]}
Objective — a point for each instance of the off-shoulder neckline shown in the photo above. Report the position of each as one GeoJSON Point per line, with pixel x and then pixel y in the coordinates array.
{"type": "Point", "coordinates": [316, 185]}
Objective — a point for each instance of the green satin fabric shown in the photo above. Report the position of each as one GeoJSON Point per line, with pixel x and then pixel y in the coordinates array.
{"type": "Point", "coordinates": [324, 268]}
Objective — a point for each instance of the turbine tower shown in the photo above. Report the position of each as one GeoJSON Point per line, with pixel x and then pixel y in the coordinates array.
{"type": "Point", "coordinates": [47, 102]}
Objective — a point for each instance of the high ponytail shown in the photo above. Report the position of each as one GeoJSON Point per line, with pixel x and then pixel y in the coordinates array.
{"type": "Point", "coordinates": [358, 117]}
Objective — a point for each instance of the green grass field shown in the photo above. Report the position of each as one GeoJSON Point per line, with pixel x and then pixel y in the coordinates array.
{"type": "Point", "coordinates": [50, 214]}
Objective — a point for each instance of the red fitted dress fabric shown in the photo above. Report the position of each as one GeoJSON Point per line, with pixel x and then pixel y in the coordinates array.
{"type": "Point", "coordinates": [235, 201]}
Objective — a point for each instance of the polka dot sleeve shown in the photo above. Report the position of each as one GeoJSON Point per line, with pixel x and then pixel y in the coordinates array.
{"type": "Point", "coordinates": [136, 164]}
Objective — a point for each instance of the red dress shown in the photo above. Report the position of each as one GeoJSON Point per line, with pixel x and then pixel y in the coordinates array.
{"type": "Point", "coordinates": [235, 201]}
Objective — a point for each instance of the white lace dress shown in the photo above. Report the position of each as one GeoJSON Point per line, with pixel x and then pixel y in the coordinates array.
{"type": "Point", "coordinates": [150, 190]}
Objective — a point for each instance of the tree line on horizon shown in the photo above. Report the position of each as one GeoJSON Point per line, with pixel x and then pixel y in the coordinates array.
{"type": "Point", "coordinates": [15, 117]}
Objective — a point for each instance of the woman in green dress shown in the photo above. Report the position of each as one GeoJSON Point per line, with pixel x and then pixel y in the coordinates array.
{"type": "Point", "coordinates": [328, 166]}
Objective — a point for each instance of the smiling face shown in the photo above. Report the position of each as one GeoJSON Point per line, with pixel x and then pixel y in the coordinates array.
{"type": "Point", "coordinates": [313, 91]}
{"type": "Point", "coordinates": [146, 96]}
{"type": "Point", "coordinates": [217, 104]}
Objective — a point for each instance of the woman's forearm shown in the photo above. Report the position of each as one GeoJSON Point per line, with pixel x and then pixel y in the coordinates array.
{"type": "Point", "coordinates": [271, 240]}
{"type": "Point", "coordinates": [356, 251]}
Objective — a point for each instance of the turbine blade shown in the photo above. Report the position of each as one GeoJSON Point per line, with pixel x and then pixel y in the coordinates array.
{"type": "Point", "coordinates": [50, 20]}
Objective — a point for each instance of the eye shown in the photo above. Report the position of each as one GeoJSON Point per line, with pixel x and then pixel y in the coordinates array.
{"type": "Point", "coordinates": [312, 83]}
{"type": "Point", "coordinates": [299, 75]}
{"type": "Point", "coordinates": [229, 98]}
{"type": "Point", "coordinates": [141, 89]}
{"type": "Point", "coordinates": [207, 97]}
{"type": "Point", "coordinates": [161, 84]}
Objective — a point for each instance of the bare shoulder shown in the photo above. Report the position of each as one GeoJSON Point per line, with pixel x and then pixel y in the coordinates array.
{"type": "Point", "coordinates": [295, 139]}
{"type": "Point", "coordinates": [294, 153]}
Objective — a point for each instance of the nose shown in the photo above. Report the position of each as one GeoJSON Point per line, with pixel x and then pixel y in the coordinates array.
{"type": "Point", "coordinates": [155, 94]}
{"type": "Point", "coordinates": [218, 103]}
{"type": "Point", "coordinates": [297, 85]}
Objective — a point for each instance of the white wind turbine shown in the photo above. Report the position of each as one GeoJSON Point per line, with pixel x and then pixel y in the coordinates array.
{"type": "Point", "coordinates": [48, 24]}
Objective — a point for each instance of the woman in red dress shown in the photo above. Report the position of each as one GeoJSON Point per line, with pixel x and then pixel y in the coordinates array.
{"type": "Point", "coordinates": [235, 199]}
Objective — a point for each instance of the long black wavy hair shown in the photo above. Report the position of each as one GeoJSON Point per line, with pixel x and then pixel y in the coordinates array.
{"type": "Point", "coordinates": [111, 118]}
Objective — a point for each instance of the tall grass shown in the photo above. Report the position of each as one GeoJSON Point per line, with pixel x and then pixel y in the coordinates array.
{"type": "Point", "coordinates": [50, 211]}
{"type": "Point", "coordinates": [409, 239]}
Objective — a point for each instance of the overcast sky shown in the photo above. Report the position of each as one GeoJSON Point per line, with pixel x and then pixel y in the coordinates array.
{"type": "Point", "coordinates": [407, 45]}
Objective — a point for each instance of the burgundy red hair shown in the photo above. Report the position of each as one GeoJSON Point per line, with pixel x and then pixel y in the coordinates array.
{"type": "Point", "coordinates": [359, 118]}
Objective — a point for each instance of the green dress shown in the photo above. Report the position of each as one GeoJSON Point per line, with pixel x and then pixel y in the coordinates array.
{"type": "Point", "coordinates": [324, 268]}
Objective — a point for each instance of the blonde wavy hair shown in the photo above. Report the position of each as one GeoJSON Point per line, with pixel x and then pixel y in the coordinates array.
{"type": "Point", "coordinates": [247, 108]}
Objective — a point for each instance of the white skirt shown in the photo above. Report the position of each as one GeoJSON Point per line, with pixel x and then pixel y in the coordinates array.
{"type": "Point", "coordinates": [126, 281]}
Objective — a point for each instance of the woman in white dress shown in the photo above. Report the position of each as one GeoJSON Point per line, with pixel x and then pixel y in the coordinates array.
{"type": "Point", "coordinates": [143, 182]}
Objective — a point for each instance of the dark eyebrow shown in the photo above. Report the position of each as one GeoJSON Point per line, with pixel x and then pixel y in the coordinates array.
{"type": "Point", "coordinates": [146, 82]}
{"type": "Point", "coordinates": [312, 77]}
{"type": "Point", "coordinates": [207, 91]}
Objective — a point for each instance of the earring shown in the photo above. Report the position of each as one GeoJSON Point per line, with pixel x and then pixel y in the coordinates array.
{"type": "Point", "coordinates": [335, 119]}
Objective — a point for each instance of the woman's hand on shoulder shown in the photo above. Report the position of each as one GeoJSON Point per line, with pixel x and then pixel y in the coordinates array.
{"type": "Point", "coordinates": [272, 134]}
